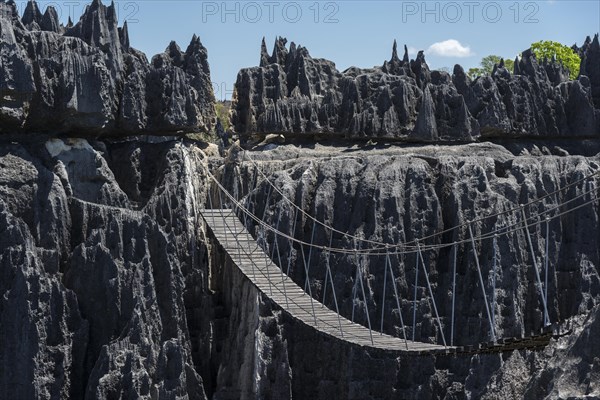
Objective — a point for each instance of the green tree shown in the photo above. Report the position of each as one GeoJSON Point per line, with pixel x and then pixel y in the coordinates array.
{"type": "Point", "coordinates": [547, 49]}
{"type": "Point", "coordinates": [486, 66]}
{"type": "Point", "coordinates": [223, 113]}
{"type": "Point", "coordinates": [475, 72]}
{"type": "Point", "coordinates": [487, 63]}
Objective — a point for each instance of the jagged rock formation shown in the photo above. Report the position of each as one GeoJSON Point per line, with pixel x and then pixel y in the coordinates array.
{"type": "Point", "coordinates": [293, 93]}
{"type": "Point", "coordinates": [87, 77]}
{"type": "Point", "coordinates": [403, 194]}
{"type": "Point", "coordinates": [111, 288]}
{"type": "Point", "coordinates": [100, 261]}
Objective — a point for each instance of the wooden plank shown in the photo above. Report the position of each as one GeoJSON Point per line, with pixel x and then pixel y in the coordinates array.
{"type": "Point", "coordinates": [233, 237]}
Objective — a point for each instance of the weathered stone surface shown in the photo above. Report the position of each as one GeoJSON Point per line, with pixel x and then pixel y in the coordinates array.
{"type": "Point", "coordinates": [405, 194]}
{"type": "Point", "coordinates": [111, 288]}
{"type": "Point", "coordinates": [293, 93]}
{"type": "Point", "coordinates": [96, 287]}
{"type": "Point", "coordinates": [87, 77]}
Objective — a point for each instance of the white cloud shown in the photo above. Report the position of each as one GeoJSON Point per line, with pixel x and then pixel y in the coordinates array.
{"type": "Point", "coordinates": [450, 48]}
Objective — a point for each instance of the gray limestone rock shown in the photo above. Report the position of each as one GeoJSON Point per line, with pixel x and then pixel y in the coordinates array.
{"type": "Point", "coordinates": [111, 286]}
{"type": "Point", "coordinates": [87, 78]}
{"type": "Point", "coordinates": [292, 93]}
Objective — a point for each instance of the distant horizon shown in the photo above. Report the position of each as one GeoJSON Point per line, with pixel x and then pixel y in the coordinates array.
{"type": "Point", "coordinates": [448, 32]}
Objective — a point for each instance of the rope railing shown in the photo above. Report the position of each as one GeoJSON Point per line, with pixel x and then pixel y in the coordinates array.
{"type": "Point", "coordinates": [412, 244]}
{"type": "Point", "coordinates": [386, 248]}
{"type": "Point", "coordinates": [521, 223]}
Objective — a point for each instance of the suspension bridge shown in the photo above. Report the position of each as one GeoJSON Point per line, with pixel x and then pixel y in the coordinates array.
{"type": "Point", "coordinates": [262, 261]}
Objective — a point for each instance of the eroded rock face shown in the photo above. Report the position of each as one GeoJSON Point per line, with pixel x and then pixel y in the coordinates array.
{"type": "Point", "coordinates": [293, 93]}
{"type": "Point", "coordinates": [111, 286]}
{"type": "Point", "coordinates": [86, 76]}
{"type": "Point", "coordinates": [96, 281]}
{"type": "Point", "coordinates": [398, 195]}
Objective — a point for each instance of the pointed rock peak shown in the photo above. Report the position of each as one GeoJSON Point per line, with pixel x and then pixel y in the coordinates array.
{"type": "Point", "coordinates": [112, 12]}
{"type": "Point", "coordinates": [124, 36]}
{"type": "Point", "coordinates": [175, 54]}
{"type": "Point", "coordinates": [458, 71]}
{"type": "Point", "coordinates": [395, 52]}
{"type": "Point", "coordinates": [195, 47]}
{"type": "Point", "coordinates": [264, 53]}
{"type": "Point", "coordinates": [279, 51]}
{"type": "Point", "coordinates": [405, 58]}
{"type": "Point", "coordinates": [70, 23]}
{"type": "Point", "coordinates": [595, 42]}
{"type": "Point", "coordinates": [420, 56]}
{"type": "Point", "coordinates": [516, 69]}
{"type": "Point", "coordinates": [96, 4]}
{"type": "Point", "coordinates": [50, 20]}
{"type": "Point", "coordinates": [501, 65]}
{"type": "Point", "coordinates": [173, 48]}
{"type": "Point", "coordinates": [32, 13]}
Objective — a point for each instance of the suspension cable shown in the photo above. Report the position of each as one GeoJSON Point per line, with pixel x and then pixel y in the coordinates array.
{"type": "Point", "coordinates": [383, 246]}
{"type": "Point", "coordinates": [505, 229]}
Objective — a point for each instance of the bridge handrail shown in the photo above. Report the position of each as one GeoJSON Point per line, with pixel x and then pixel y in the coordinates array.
{"type": "Point", "coordinates": [504, 230]}
{"type": "Point", "coordinates": [383, 246]}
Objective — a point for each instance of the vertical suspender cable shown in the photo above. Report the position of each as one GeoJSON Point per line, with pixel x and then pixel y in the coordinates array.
{"type": "Point", "coordinates": [362, 287]}
{"type": "Point", "coordinates": [437, 316]}
{"type": "Point", "coordinates": [547, 257]}
{"type": "Point", "coordinates": [415, 298]}
{"type": "Point", "coordinates": [534, 261]}
{"type": "Point", "coordinates": [383, 295]}
{"type": "Point", "coordinates": [494, 265]}
{"type": "Point", "coordinates": [487, 307]}
{"type": "Point", "coordinates": [312, 238]}
{"type": "Point", "coordinates": [455, 248]}
{"type": "Point", "coordinates": [387, 255]}
{"type": "Point", "coordinates": [328, 270]}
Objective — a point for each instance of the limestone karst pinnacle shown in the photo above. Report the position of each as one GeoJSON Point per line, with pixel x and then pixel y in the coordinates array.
{"type": "Point", "coordinates": [536, 99]}
{"type": "Point", "coordinates": [97, 83]}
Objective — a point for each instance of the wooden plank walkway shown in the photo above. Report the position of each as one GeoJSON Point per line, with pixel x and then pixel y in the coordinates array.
{"type": "Point", "coordinates": [269, 279]}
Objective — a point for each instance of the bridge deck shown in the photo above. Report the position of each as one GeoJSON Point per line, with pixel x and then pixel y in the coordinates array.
{"type": "Point", "coordinates": [269, 279]}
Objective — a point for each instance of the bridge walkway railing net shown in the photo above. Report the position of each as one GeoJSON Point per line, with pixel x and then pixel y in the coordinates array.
{"type": "Point", "coordinates": [245, 253]}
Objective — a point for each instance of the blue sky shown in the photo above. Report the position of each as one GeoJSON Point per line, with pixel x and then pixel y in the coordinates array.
{"type": "Point", "coordinates": [355, 32]}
